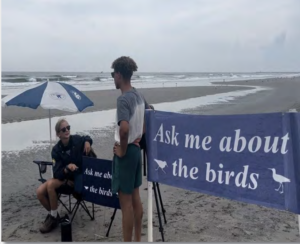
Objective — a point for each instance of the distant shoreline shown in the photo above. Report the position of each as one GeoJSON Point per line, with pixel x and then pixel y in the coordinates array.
{"type": "Point", "coordinates": [106, 99]}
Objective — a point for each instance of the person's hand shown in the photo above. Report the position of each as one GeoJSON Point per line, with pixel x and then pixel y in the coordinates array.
{"type": "Point", "coordinates": [72, 167]}
{"type": "Point", "coordinates": [118, 150]}
{"type": "Point", "coordinates": [87, 147]}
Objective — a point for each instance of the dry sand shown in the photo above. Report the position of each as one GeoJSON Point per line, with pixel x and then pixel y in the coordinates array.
{"type": "Point", "coordinates": [192, 217]}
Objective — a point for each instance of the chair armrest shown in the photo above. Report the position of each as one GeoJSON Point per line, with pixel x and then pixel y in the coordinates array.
{"type": "Point", "coordinates": [43, 162]}
{"type": "Point", "coordinates": [42, 165]}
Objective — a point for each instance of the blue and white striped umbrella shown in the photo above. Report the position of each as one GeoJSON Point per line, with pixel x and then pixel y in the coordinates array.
{"type": "Point", "coordinates": [50, 95]}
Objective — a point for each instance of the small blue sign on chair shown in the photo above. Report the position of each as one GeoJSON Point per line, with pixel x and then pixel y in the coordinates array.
{"type": "Point", "coordinates": [253, 158]}
{"type": "Point", "coordinates": [96, 182]}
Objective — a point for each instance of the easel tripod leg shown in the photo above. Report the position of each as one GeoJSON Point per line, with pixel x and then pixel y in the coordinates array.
{"type": "Point", "coordinates": [161, 202]}
{"type": "Point", "coordinates": [161, 229]}
{"type": "Point", "coordinates": [156, 186]}
{"type": "Point", "coordinates": [111, 221]}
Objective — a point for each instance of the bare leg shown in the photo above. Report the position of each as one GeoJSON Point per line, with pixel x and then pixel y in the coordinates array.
{"type": "Point", "coordinates": [51, 186]}
{"type": "Point", "coordinates": [138, 214]}
{"type": "Point", "coordinates": [41, 193]}
{"type": "Point", "coordinates": [127, 215]}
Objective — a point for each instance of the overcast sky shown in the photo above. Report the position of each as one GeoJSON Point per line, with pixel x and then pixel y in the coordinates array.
{"type": "Point", "coordinates": [160, 35]}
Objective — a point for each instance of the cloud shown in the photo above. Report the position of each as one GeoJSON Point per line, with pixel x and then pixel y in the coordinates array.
{"type": "Point", "coordinates": [169, 35]}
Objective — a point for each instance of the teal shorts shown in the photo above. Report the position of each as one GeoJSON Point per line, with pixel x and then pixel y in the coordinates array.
{"type": "Point", "coordinates": [127, 171]}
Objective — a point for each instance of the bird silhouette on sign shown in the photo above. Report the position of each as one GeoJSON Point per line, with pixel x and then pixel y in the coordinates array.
{"type": "Point", "coordinates": [161, 164]}
{"type": "Point", "coordinates": [280, 179]}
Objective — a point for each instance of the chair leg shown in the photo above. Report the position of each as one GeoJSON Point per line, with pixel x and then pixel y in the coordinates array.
{"type": "Point", "coordinates": [82, 203]}
{"type": "Point", "coordinates": [69, 210]}
{"type": "Point", "coordinates": [76, 206]}
{"type": "Point", "coordinates": [70, 202]}
{"type": "Point", "coordinates": [93, 209]}
{"type": "Point", "coordinates": [111, 221]}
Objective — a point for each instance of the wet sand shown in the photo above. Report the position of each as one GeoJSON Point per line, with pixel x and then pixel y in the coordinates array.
{"type": "Point", "coordinates": [192, 217]}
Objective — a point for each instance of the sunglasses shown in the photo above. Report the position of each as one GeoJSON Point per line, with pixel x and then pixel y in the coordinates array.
{"type": "Point", "coordinates": [65, 129]}
{"type": "Point", "coordinates": [113, 74]}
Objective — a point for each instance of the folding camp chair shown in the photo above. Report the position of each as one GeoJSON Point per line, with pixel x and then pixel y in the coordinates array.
{"type": "Point", "coordinates": [65, 189]}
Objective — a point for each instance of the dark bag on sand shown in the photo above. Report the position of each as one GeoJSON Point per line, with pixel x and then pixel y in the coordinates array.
{"type": "Point", "coordinates": [66, 229]}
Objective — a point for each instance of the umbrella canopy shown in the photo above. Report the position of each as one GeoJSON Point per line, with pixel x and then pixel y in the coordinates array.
{"type": "Point", "coordinates": [50, 95]}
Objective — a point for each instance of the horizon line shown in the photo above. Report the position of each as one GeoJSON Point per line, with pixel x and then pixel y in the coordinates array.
{"type": "Point", "coordinates": [153, 71]}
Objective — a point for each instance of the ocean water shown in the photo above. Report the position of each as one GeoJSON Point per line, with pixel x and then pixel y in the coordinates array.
{"type": "Point", "coordinates": [25, 132]}
{"type": "Point", "coordinates": [15, 81]}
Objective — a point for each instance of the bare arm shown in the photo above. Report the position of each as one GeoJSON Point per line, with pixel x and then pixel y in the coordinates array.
{"type": "Point", "coordinates": [124, 132]}
{"type": "Point", "coordinates": [123, 117]}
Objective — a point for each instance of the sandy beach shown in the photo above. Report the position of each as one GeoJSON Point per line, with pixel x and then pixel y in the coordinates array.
{"type": "Point", "coordinates": [191, 216]}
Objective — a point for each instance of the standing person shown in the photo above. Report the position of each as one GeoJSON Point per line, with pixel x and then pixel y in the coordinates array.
{"type": "Point", "coordinates": [127, 162]}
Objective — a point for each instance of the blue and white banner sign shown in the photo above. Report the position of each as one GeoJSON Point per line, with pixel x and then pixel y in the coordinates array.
{"type": "Point", "coordinates": [253, 158]}
{"type": "Point", "coordinates": [96, 182]}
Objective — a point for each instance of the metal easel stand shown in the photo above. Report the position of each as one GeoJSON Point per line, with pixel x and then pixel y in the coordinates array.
{"type": "Point", "coordinates": [157, 192]}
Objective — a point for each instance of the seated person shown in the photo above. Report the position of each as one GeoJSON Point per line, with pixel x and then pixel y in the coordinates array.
{"type": "Point", "coordinates": [67, 159]}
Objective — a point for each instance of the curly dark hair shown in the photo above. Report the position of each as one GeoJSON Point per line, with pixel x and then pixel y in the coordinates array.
{"type": "Point", "coordinates": [125, 65]}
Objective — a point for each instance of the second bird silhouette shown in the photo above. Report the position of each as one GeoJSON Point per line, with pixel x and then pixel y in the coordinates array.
{"type": "Point", "coordinates": [279, 178]}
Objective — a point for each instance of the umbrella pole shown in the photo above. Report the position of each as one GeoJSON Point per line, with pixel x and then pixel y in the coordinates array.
{"type": "Point", "coordinates": [50, 127]}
